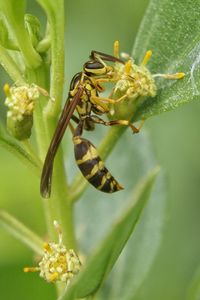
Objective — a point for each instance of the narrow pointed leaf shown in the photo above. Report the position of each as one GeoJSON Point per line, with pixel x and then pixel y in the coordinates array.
{"type": "Point", "coordinates": [194, 288]}
{"type": "Point", "coordinates": [14, 12]}
{"type": "Point", "coordinates": [134, 264]}
{"type": "Point", "coordinates": [101, 263]}
{"type": "Point", "coordinates": [21, 232]}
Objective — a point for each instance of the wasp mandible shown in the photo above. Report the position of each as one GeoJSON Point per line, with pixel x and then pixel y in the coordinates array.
{"type": "Point", "coordinates": [85, 100]}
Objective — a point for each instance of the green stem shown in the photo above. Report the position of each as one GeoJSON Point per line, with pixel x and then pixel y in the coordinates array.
{"type": "Point", "coordinates": [21, 232]}
{"type": "Point", "coordinates": [55, 13]}
{"type": "Point", "coordinates": [10, 66]}
{"type": "Point", "coordinates": [57, 207]}
{"type": "Point", "coordinates": [39, 77]}
{"type": "Point", "coordinates": [60, 209]}
{"type": "Point", "coordinates": [29, 149]}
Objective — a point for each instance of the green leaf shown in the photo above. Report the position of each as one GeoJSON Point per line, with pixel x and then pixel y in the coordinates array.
{"type": "Point", "coordinates": [134, 264]}
{"type": "Point", "coordinates": [14, 147]}
{"type": "Point", "coordinates": [102, 261]}
{"type": "Point", "coordinates": [10, 66]}
{"type": "Point", "coordinates": [194, 288]}
{"type": "Point", "coordinates": [21, 232]}
{"type": "Point", "coordinates": [171, 30]}
{"type": "Point", "coordinates": [14, 12]}
{"type": "Point", "coordinates": [135, 161]}
{"type": "Point", "coordinates": [4, 39]}
{"type": "Point", "coordinates": [32, 25]}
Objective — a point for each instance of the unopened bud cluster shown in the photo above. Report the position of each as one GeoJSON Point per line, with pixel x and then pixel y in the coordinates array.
{"type": "Point", "coordinates": [20, 101]}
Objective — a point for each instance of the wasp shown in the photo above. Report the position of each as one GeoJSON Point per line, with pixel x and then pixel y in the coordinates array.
{"type": "Point", "coordinates": [84, 98]}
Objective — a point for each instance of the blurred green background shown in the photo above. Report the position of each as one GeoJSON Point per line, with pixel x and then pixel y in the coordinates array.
{"type": "Point", "coordinates": [175, 138]}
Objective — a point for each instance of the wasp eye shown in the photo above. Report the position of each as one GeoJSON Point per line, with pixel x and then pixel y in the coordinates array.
{"type": "Point", "coordinates": [94, 68]}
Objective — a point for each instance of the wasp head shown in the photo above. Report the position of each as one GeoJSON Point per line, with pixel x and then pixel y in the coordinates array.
{"type": "Point", "coordinates": [96, 68]}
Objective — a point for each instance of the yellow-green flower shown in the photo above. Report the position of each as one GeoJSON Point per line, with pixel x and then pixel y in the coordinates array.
{"type": "Point", "coordinates": [58, 263]}
{"type": "Point", "coordinates": [136, 80]}
{"type": "Point", "coordinates": [21, 102]}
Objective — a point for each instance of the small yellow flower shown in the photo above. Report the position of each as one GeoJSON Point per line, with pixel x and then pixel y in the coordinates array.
{"type": "Point", "coordinates": [57, 263]}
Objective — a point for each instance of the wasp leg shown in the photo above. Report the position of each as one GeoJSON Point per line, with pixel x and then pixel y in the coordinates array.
{"type": "Point", "coordinates": [91, 165]}
{"type": "Point", "coordinates": [98, 100]}
{"type": "Point", "coordinates": [76, 120]}
{"type": "Point", "coordinates": [112, 78]}
{"type": "Point", "coordinates": [134, 129]}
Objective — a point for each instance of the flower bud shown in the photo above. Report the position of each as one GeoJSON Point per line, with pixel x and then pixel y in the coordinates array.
{"type": "Point", "coordinates": [32, 25]}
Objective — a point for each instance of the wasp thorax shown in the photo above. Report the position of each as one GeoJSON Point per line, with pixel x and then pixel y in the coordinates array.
{"type": "Point", "coordinates": [94, 68]}
{"type": "Point", "coordinates": [20, 101]}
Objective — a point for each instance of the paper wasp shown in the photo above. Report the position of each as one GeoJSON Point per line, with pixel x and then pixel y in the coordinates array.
{"type": "Point", "coordinates": [134, 80]}
{"type": "Point", "coordinates": [84, 98]}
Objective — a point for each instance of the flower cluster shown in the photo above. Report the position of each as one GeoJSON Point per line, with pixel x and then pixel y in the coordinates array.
{"type": "Point", "coordinates": [20, 100]}
{"type": "Point", "coordinates": [134, 80]}
{"type": "Point", "coordinates": [57, 263]}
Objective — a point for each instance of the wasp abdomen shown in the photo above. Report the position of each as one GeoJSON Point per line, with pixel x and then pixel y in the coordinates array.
{"type": "Point", "coordinates": [92, 167]}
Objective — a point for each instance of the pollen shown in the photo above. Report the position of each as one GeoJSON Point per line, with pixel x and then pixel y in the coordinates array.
{"type": "Point", "coordinates": [20, 100]}
{"type": "Point", "coordinates": [58, 263]}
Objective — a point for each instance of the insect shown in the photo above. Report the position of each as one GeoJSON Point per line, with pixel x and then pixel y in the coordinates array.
{"type": "Point", "coordinates": [85, 100]}
{"type": "Point", "coordinates": [132, 81]}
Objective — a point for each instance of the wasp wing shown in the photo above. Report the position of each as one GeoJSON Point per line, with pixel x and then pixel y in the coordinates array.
{"type": "Point", "coordinates": [45, 184]}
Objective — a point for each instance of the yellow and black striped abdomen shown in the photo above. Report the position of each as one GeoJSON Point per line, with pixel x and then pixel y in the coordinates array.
{"type": "Point", "coordinates": [92, 167]}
